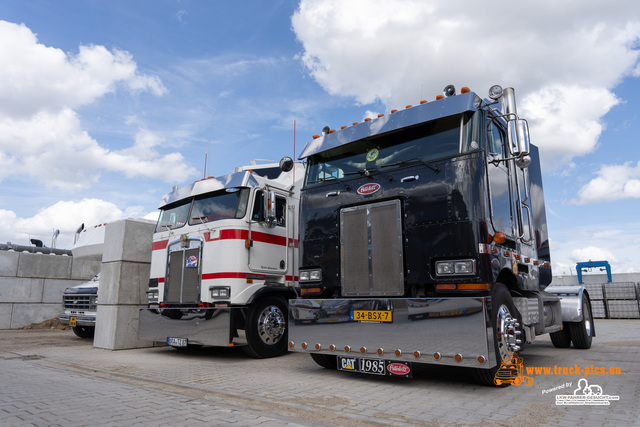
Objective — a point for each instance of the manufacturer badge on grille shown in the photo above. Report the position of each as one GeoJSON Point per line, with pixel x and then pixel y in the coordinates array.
{"type": "Point", "coordinates": [365, 190]}
{"type": "Point", "coordinates": [192, 262]}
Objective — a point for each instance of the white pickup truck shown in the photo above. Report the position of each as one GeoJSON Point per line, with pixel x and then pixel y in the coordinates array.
{"type": "Point", "coordinates": [80, 304]}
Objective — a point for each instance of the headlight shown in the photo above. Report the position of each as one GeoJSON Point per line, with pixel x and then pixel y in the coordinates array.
{"type": "Point", "coordinates": [220, 292]}
{"type": "Point", "coordinates": [311, 275]}
{"type": "Point", "coordinates": [152, 296]}
{"type": "Point", "coordinates": [461, 267]}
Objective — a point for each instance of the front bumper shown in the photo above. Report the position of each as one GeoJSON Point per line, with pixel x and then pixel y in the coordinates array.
{"type": "Point", "coordinates": [81, 319]}
{"type": "Point", "coordinates": [215, 327]}
{"type": "Point", "coordinates": [425, 330]}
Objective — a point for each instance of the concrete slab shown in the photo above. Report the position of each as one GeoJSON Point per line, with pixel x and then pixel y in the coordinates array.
{"type": "Point", "coordinates": [123, 283]}
{"type": "Point", "coordinates": [39, 265]}
{"type": "Point", "coordinates": [5, 316]}
{"type": "Point", "coordinates": [128, 240]}
{"type": "Point", "coordinates": [26, 314]}
{"type": "Point", "coordinates": [117, 328]}
{"type": "Point", "coordinates": [9, 263]}
{"type": "Point", "coordinates": [84, 269]}
{"type": "Point", "coordinates": [24, 290]}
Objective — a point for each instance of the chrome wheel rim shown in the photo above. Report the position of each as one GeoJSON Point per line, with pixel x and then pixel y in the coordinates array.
{"type": "Point", "coordinates": [271, 325]}
{"type": "Point", "coordinates": [506, 333]}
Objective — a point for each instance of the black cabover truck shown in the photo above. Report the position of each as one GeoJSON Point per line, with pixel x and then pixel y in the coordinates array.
{"type": "Point", "coordinates": [424, 241]}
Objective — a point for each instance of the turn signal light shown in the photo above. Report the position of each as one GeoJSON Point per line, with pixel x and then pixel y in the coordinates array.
{"type": "Point", "coordinates": [499, 238]}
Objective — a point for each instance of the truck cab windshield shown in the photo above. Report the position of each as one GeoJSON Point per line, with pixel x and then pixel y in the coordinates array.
{"type": "Point", "coordinates": [426, 143]}
{"type": "Point", "coordinates": [228, 203]}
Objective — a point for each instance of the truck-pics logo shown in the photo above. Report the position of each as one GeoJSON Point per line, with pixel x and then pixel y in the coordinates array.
{"type": "Point", "coordinates": [511, 372]}
{"type": "Point", "coordinates": [367, 189]}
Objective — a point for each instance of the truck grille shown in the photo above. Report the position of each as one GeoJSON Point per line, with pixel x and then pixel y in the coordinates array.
{"type": "Point", "coordinates": [79, 302]}
{"type": "Point", "coordinates": [183, 276]}
{"type": "Point", "coordinates": [371, 250]}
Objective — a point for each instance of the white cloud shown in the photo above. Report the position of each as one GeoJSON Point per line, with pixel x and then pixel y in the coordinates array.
{"type": "Point", "coordinates": [614, 182]}
{"type": "Point", "coordinates": [38, 78]}
{"type": "Point", "coordinates": [562, 58]}
{"type": "Point", "coordinates": [65, 216]}
{"type": "Point", "coordinates": [41, 135]}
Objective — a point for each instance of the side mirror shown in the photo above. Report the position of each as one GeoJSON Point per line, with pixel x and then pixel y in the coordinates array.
{"type": "Point", "coordinates": [286, 164]}
{"type": "Point", "coordinates": [269, 208]}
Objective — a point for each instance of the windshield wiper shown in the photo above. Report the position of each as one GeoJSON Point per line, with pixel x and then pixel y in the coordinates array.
{"type": "Point", "coordinates": [434, 168]}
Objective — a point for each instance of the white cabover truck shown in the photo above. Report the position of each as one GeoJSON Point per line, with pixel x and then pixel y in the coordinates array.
{"type": "Point", "coordinates": [224, 261]}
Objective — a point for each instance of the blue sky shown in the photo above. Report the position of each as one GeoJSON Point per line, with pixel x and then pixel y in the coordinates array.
{"type": "Point", "coordinates": [104, 106]}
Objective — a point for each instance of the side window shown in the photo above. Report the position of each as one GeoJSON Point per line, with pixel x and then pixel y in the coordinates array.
{"type": "Point", "coordinates": [281, 209]}
{"type": "Point", "coordinates": [501, 207]}
{"type": "Point", "coordinates": [496, 141]}
{"type": "Point", "coordinates": [256, 215]}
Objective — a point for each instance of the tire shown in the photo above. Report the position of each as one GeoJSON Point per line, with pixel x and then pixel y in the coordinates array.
{"type": "Point", "coordinates": [561, 339]}
{"type": "Point", "coordinates": [266, 328]}
{"type": "Point", "coordinates": [582, 332]}
{"type": "Point", "coordinates": [504, 318]}
{"type": "Point", "coordinates": [84, 331]}
{"type": "Point", "coordinates": [325, 360]}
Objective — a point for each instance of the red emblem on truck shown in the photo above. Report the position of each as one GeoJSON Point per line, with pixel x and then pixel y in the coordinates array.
{"type": "Point", "coordinates": [367, 189]}
{"type": "Point", "coordinates": [398, 368]}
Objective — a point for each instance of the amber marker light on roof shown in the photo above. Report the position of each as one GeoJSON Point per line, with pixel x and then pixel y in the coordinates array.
{"type": "Point", "coordinates": [394, 111]}
{"type": "Point", "coordinates": [465, 90]}
{"type": "Point", "coordinates": [439, 97]}
{"type": "Point", "coordinates": [424, 101]}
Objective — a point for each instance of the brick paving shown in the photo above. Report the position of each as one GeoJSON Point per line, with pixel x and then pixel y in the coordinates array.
{"type": "Point", "coordinates": [51, 377]}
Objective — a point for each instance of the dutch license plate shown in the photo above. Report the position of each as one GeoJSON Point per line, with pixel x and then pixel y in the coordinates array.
{"type": "Point", "coordinates": [371, 315]}
{"type": "Point", "coordinates": [73, 321]}
{"type": "Point", "coordinates": [375, 366]}
{"type": "Point", "coordinates": [177, 342]}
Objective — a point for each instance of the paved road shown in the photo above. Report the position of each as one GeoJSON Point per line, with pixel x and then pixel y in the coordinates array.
{"type": "Point", "coordinates": [51, 377]}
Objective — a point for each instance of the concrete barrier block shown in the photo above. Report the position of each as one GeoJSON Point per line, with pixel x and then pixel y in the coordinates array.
{"type": "Point", "coordinates": [9, 263]}
{"type": "Point", "coordinates": [19, 289]}
{"type": "Point", "coordinates": [123, 283]}
{"type": "Point", "coordinates": [84, 269]}
{"type": "Point", "coordinates": [26, 314]}
{"type": "Point", "coordinates": [39, 265]}
{"type": "Point", "coordinates": [128, 240]}
{"type": "Point", "coordinates": [5, 315]}
{"type": "Point", "coordinates": [117, 328]}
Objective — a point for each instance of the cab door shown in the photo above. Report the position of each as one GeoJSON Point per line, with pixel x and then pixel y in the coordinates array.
{"type": "Point", "coordinates": [268, 238]}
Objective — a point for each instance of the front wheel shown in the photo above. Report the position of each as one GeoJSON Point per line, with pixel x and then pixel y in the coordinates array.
{"type": "Point", "coordinates": [266, 328]}
{"type": "Point", "coordinates": [582, 332]}
{"type": "Point", "coordinates": [84, 331]}
{"type": "Point", "coordinates": [506, 338]}
{"type": "Point", "coordinates": [325, 360]}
